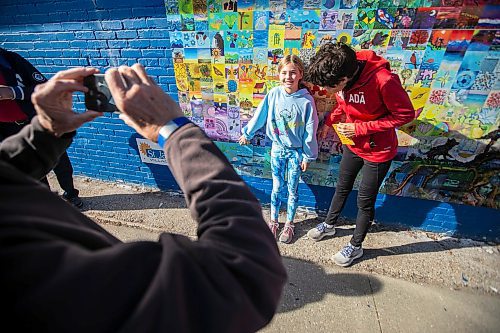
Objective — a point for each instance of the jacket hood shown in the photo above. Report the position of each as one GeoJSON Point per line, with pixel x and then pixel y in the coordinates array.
{"type": "Point", "coordinates": [373, 63]}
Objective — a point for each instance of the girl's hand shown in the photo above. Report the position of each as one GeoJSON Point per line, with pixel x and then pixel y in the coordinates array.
{"type": "Point", "coordinates": [243, 140]}
{"type": "Point", "coordinates": [303, 166]}
{"type": "Point", "coordinates": [347, 129]}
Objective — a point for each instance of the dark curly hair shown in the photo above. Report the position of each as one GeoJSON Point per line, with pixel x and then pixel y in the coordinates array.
{"type": "Point", "coordinates": [331, 64]}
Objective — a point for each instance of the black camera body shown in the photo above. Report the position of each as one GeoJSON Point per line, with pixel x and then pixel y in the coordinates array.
{"type": "Point", "coordinates": [98, 98]}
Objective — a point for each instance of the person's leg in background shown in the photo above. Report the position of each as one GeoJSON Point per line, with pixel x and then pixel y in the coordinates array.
{"type": "Point", "coordinates": [278, 164]}
{"type": "Point", "coordinates": [64, 174]}
{"type": "Point", "coordinates": [293, 177]}
{"type": "Point", "coordinates": [350, 165]}
{"type": "Point", "coordinates": [373, 175]}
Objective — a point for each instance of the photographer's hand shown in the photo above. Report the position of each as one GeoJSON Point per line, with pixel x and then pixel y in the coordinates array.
{"type": "Point", "coordinates": [53, 101]}
{"type": "Point", "coordinates": [144, 105]}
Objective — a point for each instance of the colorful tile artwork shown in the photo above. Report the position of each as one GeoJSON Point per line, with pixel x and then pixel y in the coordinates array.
{"type": "Point", "coordinates": [446, 52]}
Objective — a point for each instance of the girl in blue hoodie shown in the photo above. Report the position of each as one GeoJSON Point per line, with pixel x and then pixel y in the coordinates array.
{"type": "Point", "coordinates": [291, 121]}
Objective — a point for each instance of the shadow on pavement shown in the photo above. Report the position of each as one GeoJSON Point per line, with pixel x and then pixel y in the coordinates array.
{"type": "Point", "coordinates": [309, 283]}
{"type": "Point", "coordinates": [139, 201]}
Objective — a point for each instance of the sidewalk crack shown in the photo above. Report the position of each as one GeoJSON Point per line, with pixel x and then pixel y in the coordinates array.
{"type": "Point", "coordinates": [375, 304]}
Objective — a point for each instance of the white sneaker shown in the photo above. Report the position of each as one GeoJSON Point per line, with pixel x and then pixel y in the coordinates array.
{"type": "Point", "coordinates": [347, 255]}
{"type": "Point", "coordinates": [320, 231]}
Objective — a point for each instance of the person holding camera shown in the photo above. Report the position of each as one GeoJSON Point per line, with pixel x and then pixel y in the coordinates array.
{"type": "Point", "coordinates": [18, 78]}
{"type": "Point", "coordinates": [64, 273]}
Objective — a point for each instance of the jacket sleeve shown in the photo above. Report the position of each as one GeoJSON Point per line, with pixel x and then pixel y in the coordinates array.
{"type": "Point", "coordinates": [258, 120]}
{"type": "Point", "coordinates": [400, 109]}
{"type": "Point", "coordinates": [236, 258]}
{"type": "Point", "coordinates": [310, 143]}
{"type": "Point", "coordinates": [33, 150]}
{"type": "Point", "coordinates": [29, 75]}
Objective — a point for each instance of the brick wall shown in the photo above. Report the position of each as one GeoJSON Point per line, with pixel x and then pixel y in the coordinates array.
{"type": "Point", "coordinates": [55, 35]}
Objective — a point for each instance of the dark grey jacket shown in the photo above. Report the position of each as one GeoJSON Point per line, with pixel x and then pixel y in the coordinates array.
{"type": "Point", "coordinates": [61, 272]}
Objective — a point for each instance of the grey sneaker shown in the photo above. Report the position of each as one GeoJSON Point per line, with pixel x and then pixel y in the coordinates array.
{"type": "Point", "coordinates": [347, 255]}
{"type": "Point", "coordinates": [286, 234]}
{"type": "Point", "coordinates": [320, 231]}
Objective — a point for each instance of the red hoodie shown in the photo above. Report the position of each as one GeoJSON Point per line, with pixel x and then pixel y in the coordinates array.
{"type": "Point", "coordinates": [377, 104]}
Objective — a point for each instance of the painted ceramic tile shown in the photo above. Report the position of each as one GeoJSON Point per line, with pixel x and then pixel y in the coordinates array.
{"type": "Point", "coordinates": [439, 39]}
{"type": "Point", "coordinates": [174, 22]}
{"type": "Point", "coordinates": [185, 6]}
{"type": "Point", "coordinates": [447, 17]}
{"type": "Point", "coordinates": [312, 4]}
{"type": "Point", "coordinates": [447, 72]}
{"type": "Point", "coordinates": [245, 20]}
{"type": "Point", "coordinates": [330, 4]}
{"type": "Point", "coordinates": [294, 4]}
{"type": "Point", "coordinates": [348, 4]}
{"type": "Point", "coordinates": [277, 6]}
{"type": "Point", "coordinates": [490, 18]}
{"type": "Point", "coordinates": [418, 39]}
{"type": "Point", "coordinates": [425, 18]}
{"type": "Point", "coordinates": [326, 37]}
{"type": "Point", "coordinates": [346, 19]}
{"type": "Point", "coordinates": [328, 20]}
{"type": "Point", "coordinates": [229, 5]}
{"type": "Point", "coordinates": [261, 20]}
{"type": "Point", "coordinates": [368, 3]}
{"type": "Point", "coordinates": [187, 21]}
{"type": "Point", "coordinates": [365, 18]}
{"type": "Point", "coordinates": [469, 17]}
{"type": "Point", "coordinates": [345, 36]}
{"type": "Point", "coordinates": [403, 17]}
{"type": "Point", "coordinates": [200, 7]}
{"type": "Point", "coordinates": [309, 40]}
{"type": "Point", "coordinates": [384, 19]}
{"type": "Point", "coordinates": [261, 4]}
{"type": "Point", "coordinates": [459, 41]}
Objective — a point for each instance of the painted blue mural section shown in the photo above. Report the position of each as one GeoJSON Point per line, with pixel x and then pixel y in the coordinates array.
{"type": "Point", "coordinates": [55, 35]}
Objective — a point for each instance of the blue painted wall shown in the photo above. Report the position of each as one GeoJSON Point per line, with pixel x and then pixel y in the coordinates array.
{"type": "Point", "coordinates": [55, 35]}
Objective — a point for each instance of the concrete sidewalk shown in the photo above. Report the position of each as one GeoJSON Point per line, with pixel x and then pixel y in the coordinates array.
{"type": "Point", "coordinates": [330, 299]}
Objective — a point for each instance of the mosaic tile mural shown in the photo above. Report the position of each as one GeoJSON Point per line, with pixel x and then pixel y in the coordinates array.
{"type": "Point", "coordinates": [446, 52]}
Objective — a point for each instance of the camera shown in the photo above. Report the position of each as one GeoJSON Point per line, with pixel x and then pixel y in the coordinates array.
{"type": "Point", "coordinates": [98, 98]}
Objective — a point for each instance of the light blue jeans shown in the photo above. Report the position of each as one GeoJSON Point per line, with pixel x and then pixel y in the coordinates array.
{"type": "Point", "coordinates": [285, 160]}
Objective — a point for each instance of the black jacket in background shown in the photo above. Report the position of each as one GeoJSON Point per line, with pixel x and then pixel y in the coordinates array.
{"type": "Point", "coordinates": [27, 78]}
{"type": "Point", "coordinates": [61, 272]}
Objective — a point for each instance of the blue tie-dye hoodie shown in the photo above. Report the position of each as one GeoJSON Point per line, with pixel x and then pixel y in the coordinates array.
{"type": "Point", "coordinates": [291, 121]}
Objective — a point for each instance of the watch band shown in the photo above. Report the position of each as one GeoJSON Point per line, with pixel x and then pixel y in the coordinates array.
{"type": "Point", "coordinates": [169, 128]}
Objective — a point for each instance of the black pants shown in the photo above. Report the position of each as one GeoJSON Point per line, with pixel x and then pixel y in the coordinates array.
{"type": "Point", "coordinates": [63, 169]}
{"type": "Point", "coordinates": [64, 175]}
{"type": "Point", "coordinates": [372, 176]}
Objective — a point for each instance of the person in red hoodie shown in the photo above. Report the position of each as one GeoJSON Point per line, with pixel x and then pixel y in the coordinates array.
{"type": "Point", "coordinates": [371, 105]}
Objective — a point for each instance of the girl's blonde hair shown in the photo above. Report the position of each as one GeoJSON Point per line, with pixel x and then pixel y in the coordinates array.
{"type": "Point", "coordinates": [291, 59]}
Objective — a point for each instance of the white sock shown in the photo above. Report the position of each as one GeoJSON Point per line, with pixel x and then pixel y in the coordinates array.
{"type": "Point", "coordinates": [328, 225]}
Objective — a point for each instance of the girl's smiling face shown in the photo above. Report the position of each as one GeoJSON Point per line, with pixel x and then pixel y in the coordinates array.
{"type": "Point", "coordinates": [290, 76]}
